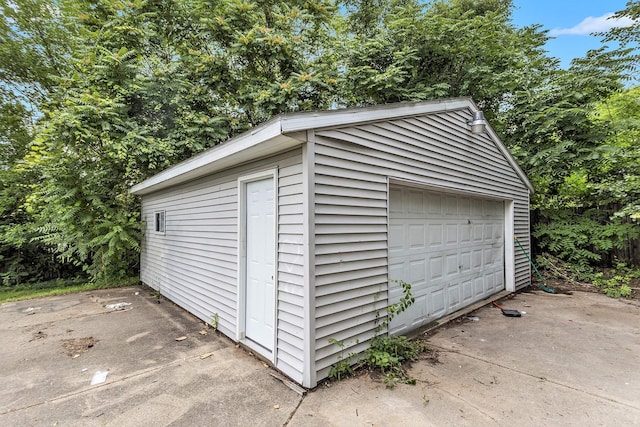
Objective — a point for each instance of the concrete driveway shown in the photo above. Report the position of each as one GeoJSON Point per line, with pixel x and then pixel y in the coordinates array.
{"type": "Point", "coordinates": [570, 360]}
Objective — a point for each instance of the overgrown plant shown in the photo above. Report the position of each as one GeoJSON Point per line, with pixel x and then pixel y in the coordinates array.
{"type": "Point", "coordinates": [614, 287]}
{"type": "Point", "coordinates": [393, 310]}
{"type": "Point", "coordinates": [613, 282]}
{"type": "Point", "coordinates": [386, 353]}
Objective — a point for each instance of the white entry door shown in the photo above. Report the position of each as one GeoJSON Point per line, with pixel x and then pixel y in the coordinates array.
{"type": "Point", "coordinates": [449, 247]}
{"type": "Point", "coordinates": [260, 259]}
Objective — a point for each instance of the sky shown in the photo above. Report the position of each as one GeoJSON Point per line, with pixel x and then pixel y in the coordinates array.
{"type": "Point", "coordinates": [569, 21]}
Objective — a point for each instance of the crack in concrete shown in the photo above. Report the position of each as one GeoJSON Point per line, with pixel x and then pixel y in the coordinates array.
{"type": "Point", "coordinates": [471, 404]}
{"type": "Point", "coordinates": [295, 410]}
{"type": "Point", "coordinates": [105, 385]}
{"type": "Point", "coordinates": [558, 383]}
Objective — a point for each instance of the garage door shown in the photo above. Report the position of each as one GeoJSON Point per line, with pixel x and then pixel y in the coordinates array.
{"type": "Point", "coordinates": [449, 247]}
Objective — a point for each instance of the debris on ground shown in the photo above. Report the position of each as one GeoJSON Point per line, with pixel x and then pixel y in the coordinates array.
{"type": "Point", "coordinates": [182, 338]}
{"type": "Point", "coordinates": [117, 306]}
{"type": "Point", "coordinates": [508, 312]}
{"type": "Point", "coordinates": [99, 377]}
{"type": "Point", "coordinates": [204, 356]}
{"type": "Point", "coordinates": [38, 335]}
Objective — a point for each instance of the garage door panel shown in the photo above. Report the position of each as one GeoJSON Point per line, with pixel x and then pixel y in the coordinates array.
{"type": "Point", "coordinates": [487, 258]}
{"type": "Point", "coordinates": [437, 297]}
{"type": "Point", "coordinates": [452, 234]}
{"type": "Point", "coordinates": [435, 234]}
{"type": "Point", "coordinates": [476, 259]}
{"type": "Point", "coordinates": [422, 313]}
{"type": "Point", "coordinates": [465, 262]}
{"type": "Point", "coordinates": [451, 265]}
{"type": "Point", "coordinates": [396, 205]}
{"type": "Point", "coordinates": [467, 291]}
{"type": "Point", "coordinates": [396, 238]}
{"type": "Point", "coordinates": [465, 233]}
{"type": "Point", "coordinates": [418, 270]}
{"type": "Point", "coordinates": [464, 206]}
{"type": "Point", "coordinates": [451, 205]}
{"type": "Point", "coordinates": [434, 204]}
{"type": "Point", "coordinates": [478, 233]}
{"type": "Point", "coordinates": [415, 203]}
{"type": "Point", "coordinates": [499, 276]}
{"type": "Point", "coordinates": [417, 236]}
{"type": "Point", "coordinates": [436, 268]}
{"type": "Point", "coordinates": [455, 298]}
{"type": "Point", "coordinates": [450, 248]}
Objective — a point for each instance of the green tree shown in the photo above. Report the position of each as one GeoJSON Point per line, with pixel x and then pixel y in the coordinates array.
{"type": "Point", "coordinates": [108, 125]}
{"type": "Point", "coordinates": [440, 49]}
{"type": "Point", "coordinates": [33, 49]}
{"type": "Point", "coordinates": [155, 82]}
{"type": "Point", "coordinates": [568, 151]}
{"type": "Point", "coordinates": [96, 96]}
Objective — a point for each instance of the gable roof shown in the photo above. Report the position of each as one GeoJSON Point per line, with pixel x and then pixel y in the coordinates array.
{"type": "Point", "coordinates": [287, 131]}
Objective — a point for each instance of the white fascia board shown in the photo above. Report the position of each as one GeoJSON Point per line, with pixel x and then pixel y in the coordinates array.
{"type": "Point", "coordinates": [189, 169]}
{"type": "Point", "coordinates": [335, 118]}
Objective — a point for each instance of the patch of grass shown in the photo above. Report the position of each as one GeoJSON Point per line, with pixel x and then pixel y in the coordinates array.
{"type": "Point", "coordinates": [57, 287]}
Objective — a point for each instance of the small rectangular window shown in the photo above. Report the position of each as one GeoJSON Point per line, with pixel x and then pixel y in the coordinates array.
{"type": "Point", "coordinates": [159, 222]}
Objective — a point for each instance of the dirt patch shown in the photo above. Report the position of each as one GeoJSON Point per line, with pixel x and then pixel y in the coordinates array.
{"type": "Point", "coordinates": [430, 355]}
{"type": "Point", "coordinates": [75, 347]}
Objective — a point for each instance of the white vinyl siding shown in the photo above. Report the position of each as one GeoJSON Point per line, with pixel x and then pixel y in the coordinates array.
{"type": "Point", "coordinates": [350, 256]}
{"type": "Point", "coordinates": [290, 310]}
{"type": "Point", "coordinates": [353, 165]}
{"type": "Point", "coordinates": [195, 262]}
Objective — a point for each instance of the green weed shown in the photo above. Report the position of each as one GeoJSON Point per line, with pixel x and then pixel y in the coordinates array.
{"type": "Point", "coordinates": [386, 354]}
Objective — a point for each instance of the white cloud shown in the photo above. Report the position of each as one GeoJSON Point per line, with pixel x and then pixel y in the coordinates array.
{"type": "Point", "coordinates": [593, 25]}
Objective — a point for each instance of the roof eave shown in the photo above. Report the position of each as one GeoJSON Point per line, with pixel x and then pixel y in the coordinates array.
{"type": "Point", "coordinates": [334, 118]}
{"type": "Point", "coordinates": [200, 164]}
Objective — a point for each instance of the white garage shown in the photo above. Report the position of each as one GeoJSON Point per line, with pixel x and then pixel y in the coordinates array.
{"type": "Point", "coordinates": [449, 247]}
{"type": "Point", "coordinates": [292, 237]}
